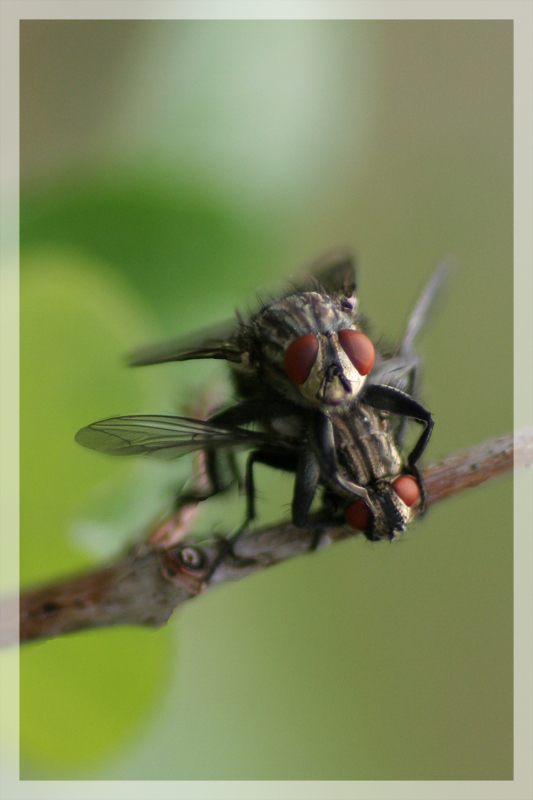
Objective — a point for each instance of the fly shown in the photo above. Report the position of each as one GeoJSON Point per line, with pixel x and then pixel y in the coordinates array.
{"type": "Point", "coordinates": [305, 351]}
{"type": "Point", "coordinates": [354, 454]}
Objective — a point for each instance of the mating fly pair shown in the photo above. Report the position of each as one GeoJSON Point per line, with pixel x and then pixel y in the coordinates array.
{"type": "Point", "coordinates": [330, 409]}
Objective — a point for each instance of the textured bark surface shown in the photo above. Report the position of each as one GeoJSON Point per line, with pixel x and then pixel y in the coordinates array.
{"type": "Point", "coordinates": [155, 577]}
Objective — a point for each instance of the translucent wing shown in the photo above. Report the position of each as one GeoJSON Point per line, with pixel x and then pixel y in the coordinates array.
{"type": "Point", "coordinates": [335, 271]}
{"type": "Point", "coordinates": [216, 341]}
{"type": "Point", "coordinates": [167, 437]}
{"type": "Point", "coordinates": [426, 305]}
{"type": "Point", "coordinates": [401, 370]}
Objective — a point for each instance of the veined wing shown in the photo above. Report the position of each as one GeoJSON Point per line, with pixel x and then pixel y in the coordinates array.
{"type": "Point", "coordinates": [216, 341]}
{"type": "Point", "coordinates": [166, 437]}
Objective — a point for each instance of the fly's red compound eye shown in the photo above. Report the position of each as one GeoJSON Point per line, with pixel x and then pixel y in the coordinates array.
{"type": "Point", "coordinates": [299, 358]}
{"type": "Point", "coordinates": [407, 489]}
{"type": "Point", "coordinates": [357, 515]}
{"type": "Point", "coordinates": [359, 350]}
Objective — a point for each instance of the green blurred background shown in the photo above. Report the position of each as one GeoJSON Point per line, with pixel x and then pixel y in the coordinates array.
{"type": "Point", "coordinates": [168, 170]}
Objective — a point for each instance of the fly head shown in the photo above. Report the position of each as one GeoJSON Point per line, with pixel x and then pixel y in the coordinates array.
{"type": "Point", "coordinates": [310, 349]}
{"type": "Point", "coordinates": [396, 503]}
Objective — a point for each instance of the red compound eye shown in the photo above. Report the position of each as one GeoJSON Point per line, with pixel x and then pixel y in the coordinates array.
{"type": "Point", "coordinates": [299, 358]}
{"type": "Point", "coordinates": [407, 489]}
{"type": "Point", "coordinates": [359, 350]}
{"type": "Point", "coordinates": [357, 515]}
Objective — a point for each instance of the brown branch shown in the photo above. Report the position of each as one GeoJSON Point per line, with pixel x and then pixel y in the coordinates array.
{"type": "Point", "coordinates": [145, 586]}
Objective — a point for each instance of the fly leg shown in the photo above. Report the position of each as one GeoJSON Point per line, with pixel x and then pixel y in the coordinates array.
{"type": "Point", "coordinates": [283, 461]}
{"type": "Point", "coordinates": [338, 486]}
{"type": "Point", "coordinates": [216, 482]}
{"type": "Point", "coordinates": [324, 442]}
{"type": "Point", "coordinates": [413, 470]}
{"type": "Point", "coordinates": [239, 414]}
{"type": "Point", "coordinates": [387, 398]}
{"type": "Point", "coordinates": [307, 477]}
{"type": "Point", "coordinates": [410, 380]}
{"type": "Point", "coordinates": [307, 469]}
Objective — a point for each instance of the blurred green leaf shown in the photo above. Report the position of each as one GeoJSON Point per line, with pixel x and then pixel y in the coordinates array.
{"type": "Point", "coordinates": [178, 247]}
{"type": "Point", "coordinates": [84, 695]}
{"type": "Point", "coordinates": [81, 696]}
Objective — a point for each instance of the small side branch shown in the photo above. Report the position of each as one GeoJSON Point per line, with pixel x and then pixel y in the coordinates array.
{"type": "Point", "coordinates": [155, 577]}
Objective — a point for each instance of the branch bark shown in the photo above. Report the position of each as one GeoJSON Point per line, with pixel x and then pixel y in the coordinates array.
{"type": "Point", "coordinates": [155, 577]}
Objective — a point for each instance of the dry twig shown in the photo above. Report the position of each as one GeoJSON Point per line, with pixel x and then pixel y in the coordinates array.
{"type": "Point", "coordinates": [145, 586]}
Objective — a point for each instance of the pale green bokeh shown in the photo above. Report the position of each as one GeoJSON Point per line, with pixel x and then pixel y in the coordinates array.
{"type": "Point", "coordinates": [83, 695]}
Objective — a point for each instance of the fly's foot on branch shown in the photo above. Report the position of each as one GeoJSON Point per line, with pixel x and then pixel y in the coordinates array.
{"type": "Point", "coordinates": [422, 505]}
{"type": "Point", "coordinates": [226, 553]}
